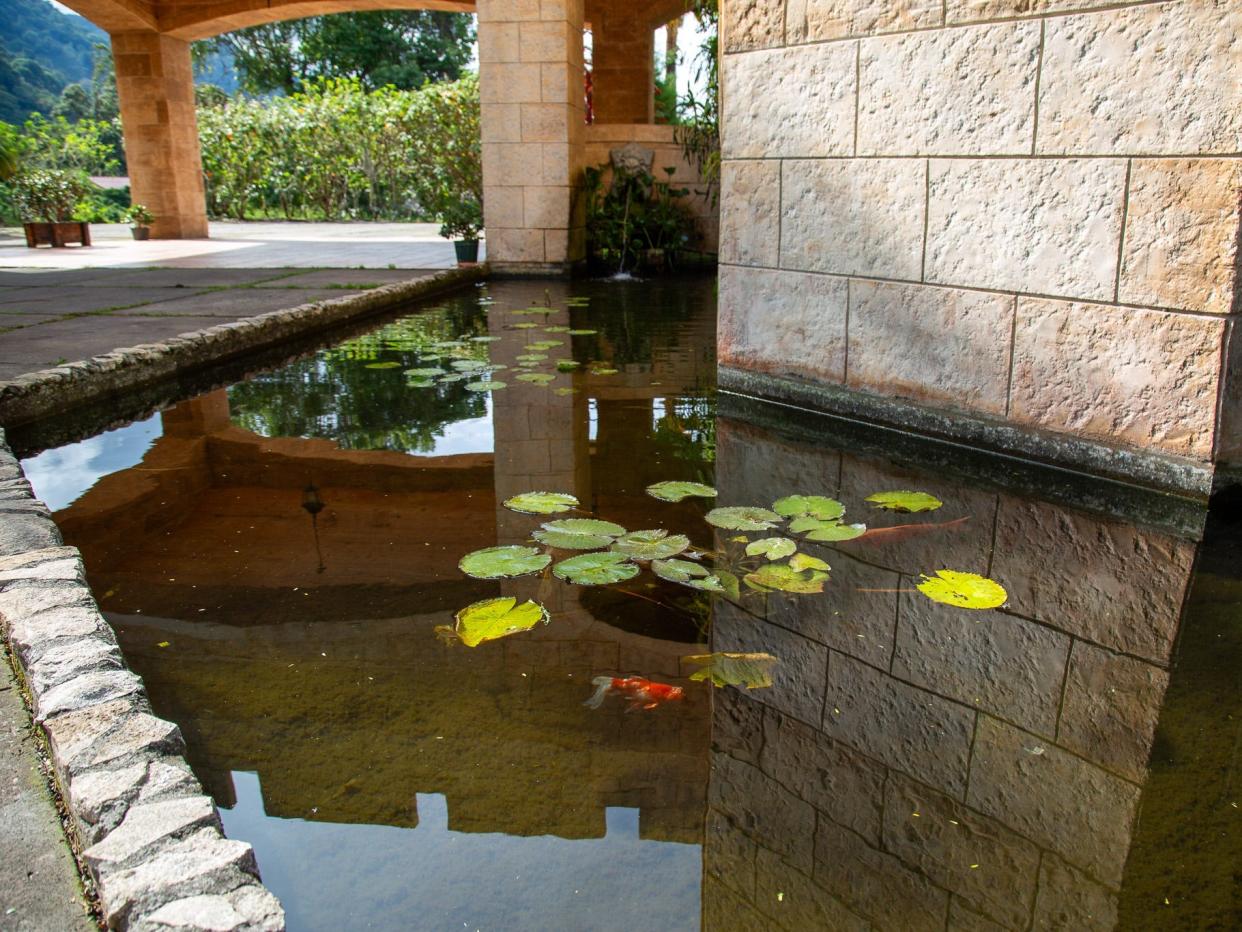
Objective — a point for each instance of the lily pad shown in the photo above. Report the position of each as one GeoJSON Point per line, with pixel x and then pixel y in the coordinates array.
{"type": "Point", "coordinates": [804, 561]}
{"type": "Point", "coordinates": [596, 569]}
{"type": "Point", "coordinates": [905, 501]}
{"type": "Point", "coordinates": [546, 344]}
{"type": "Point", "coordinates": [577, 301]}
{"type": "Point", "coordinates": [421, 383]}
{"type": "Point", "coordinates": [828, 531]}
{"type": "Point", "coordinates": [426, 372]}
{"type": "Point", "coordinates": [531, 357]}
{"type": "Point", "coordinates": [673, 490]}
{"type": "Point", "coordinates": [454, 377]}
{"type": "Point", "coordinates": [525, 325]}
{"type": "Point", "coordinates": [496, 618]}
{"type": "Point", "coordinates": [382, 365]}
{"type": "Point", "coordinates": [656, 544]}
{"type": "Point", "coordinates": [774, 548]}
{"type": "Point", "coordinates": [581, 332]}
{"type": "Point", "coordinates": [539, 378]}
{"type": "Point", "coordinates": [468, 365]}
{"type": "Point", "coordinates": [567, 365]}
{"type": "Point", "coordinates": [604, 371]}
{"type": "Point", "coordinates": [815, 506]}
{"type": "Point", "coordinates": [541, 503]}
{"type": "Point", "coordinates": [488, 386]}
{"type": "Point", "coordinates": [566, 541]}
{"type": "Point", "coordinates": [687, 574]}
{"type": "Point", "coordinates": [503, 562]}
{"type": "Point", "coordinates": [786, 579]}
{"type": "Point", "coordinates": [585, 526]}
{"type": "Point", "coordinates": [485, 339]}
{"type": "Point", "coordinates": [725, 668]}
{"type": "Point", "coordinates": [965, 590]}
{"type": "Point", "coordinates": [556, 328]}
{"type": "Point", "coordinates": [566, 391]}
{"type": "Point", "coordinates": [742, 518]}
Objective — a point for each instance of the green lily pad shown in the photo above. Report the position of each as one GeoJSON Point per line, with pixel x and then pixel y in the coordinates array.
{"type": "Point", "coordinates": [525, 325]}
{"type": "Point", "coordinates": [581, 332]}
{"type": "Point", "coordinates": [596, 569]}
{"type": "Point", "coordinates": [485, 339]}
{"type": "Point", "coordinates": [454, 377]}
{"type": "Point", "coordinates": [804, 561]}
{"type": "Point", "coordinates": [488, 386]}
{"type": "Point", "coordinates": [495, 618]}
{"type": "Point", "coordinates": [531, 357]}
{"type": "Point", "coordinates": [565, 541]}
{"type": "Point", "coordinates": [673, 490]}
{"type": "Point", "coordinates": [814, 506]}
{"type": "Point", "coordinates": [726, 668]}
{"type": "Point", "coordinates": [421, 383]}
{"type": "Point", "coordinates": [786, 579]}
{"type": "Point", "coordinates": [566, 391]}
{"type": "Point", "coordinates": [541, 503]}
{"type": "Point", "coordinates": [556, 328]}
{"type": "Point", "coordinates": [539, 378]}
{"type": "Point", "coordinates": [905, 501]}
{"type": "Point", "coordinates": [828, 531]}
{"type": "Point", "coordinates": [382, 365]}
{"type": "Point", "coordinates": [546, 344]}
{"type": "Point", "coordinates": [742, 518]}
{"type": "Point", "coordinates": [604, 371]}
{"type": "Point", "coordinates": [585, 526]}
{"type": "Point", "coordinates": [577, 301]}
{"type": "Point", "coordinates": [468, 365]}
{"type": "Point", "coordinates": [503, 562]}
{"type": "Point", "coordinates": [965, 590]}
{"type": "Point", "coordinates": [774, 548]}
{"type": "Point", "coordinates": [449, 344]}
{"type": "Point", "coordinates": [656, 544]}
{"type": "Point", "coordinates": [495, 366]}
{"type": "Point", "coordinates": [687, 574]}
{"type": "Point", "coordinates": [426, 372]}
{"type": "Point", "coordinates": [567, 365]}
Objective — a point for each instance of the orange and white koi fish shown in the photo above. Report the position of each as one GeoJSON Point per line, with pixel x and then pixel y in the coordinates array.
{"type": "Point", "coordinates": [642, 694]}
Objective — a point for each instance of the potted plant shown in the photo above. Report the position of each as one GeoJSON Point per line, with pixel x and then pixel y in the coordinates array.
{"type": "Point", "coordinates": [462, 221]}
{"type": "Point", "coordinates": [140, 220]}
{"type": "Point", "coordinates": [47, 200]}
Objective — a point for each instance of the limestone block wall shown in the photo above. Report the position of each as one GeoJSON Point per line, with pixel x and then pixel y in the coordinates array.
{"type": "Point", "coordinates": [1023, 213]}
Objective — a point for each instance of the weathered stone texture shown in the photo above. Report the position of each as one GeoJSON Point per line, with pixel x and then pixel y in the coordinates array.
{"type": "Point", "coordinates": [1142, 378]}
{"type": "Point", "coordinates": [970, 11]}
{"type": "Point", "coordinates": [790, 103]}
{"type": "Point", "coordinates": [774, 817]}
{"type": "Point", "coordinates": [729, 854]}
{"type": "Point", "coordinates": [1110, 709]}
{"type": "Point", "coordinates": [788, 323]}
{"type": "Point", "coordinates": [857, 217]}
{"type": "Point", "coordinates": [949, 92]}
{"type": "Point", "coordinates": [1054, 798]}
{"type": "Point", "coordinates": [1182, 230]}
{"type": "Point", "coordinates": [907, 728]}
{"type": "Point", "coordinates": [937, 345]}
{"type": "Point", "coordinates": [1069, 899]}
{"type": "Point", "coordinates": [1006, 666]}
{"type": "Point", "coordinates": [750, 212]}
{"type": "Point", "coordinates": [1040, 227]}
{"type": "Point", "coordinates": [795, 902]}
{"type": "Point", "coordinates": [752, 24]}
{"type": "Point", "coordinates": [818, 20]}
{"type": "Point", "coordinates": [1148, 80]}
{"type": "Point", "coordinates": [1110, 582]}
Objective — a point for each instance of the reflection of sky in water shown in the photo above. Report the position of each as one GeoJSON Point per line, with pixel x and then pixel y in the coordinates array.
{"type": "Point", "coordinates": [432, 878]}
{"type": "Point", "coordinates": [469, 436]}
{"type": "Point", "coordinates": [60, 476]}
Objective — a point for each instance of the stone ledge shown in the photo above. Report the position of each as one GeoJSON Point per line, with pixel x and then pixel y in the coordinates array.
{"type": "Point", "coordinates": [53, 391]}
{"type": "Point", "coordinates": [145, 831]}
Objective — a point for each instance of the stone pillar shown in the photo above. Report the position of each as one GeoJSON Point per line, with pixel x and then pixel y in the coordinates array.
{"type": "Point", "coordinates": [155, 86]}
{"type": "Point", "coordinates": [623, 67]}
{"type": "Point", "coordinates": [533, 112]}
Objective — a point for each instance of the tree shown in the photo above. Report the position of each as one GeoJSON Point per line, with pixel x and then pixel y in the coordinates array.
{"type": "Point", "coordinates": [404, 49]}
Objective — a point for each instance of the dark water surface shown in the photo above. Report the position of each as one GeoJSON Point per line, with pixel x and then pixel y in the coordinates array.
{"type": "Point", "coordinates": [1069, 761]}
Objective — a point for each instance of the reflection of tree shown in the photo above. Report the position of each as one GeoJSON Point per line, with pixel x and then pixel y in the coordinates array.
{"type": "Point", "coordinates": [687, 432]}
{"type": "Point", "coordinates": [634, 319]}
{"type": "Point", "coordinates": [334, 396]}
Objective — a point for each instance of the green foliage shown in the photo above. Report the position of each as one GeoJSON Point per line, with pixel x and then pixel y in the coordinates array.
{"type": "Point", "coordinates": [964, 590]}
{"type": "Point", "coordinates": [905, 501]}
{"type": "Point", "coordinates": [596, 569]}
{"type": "Point", "coordinates": [674, 491]}
{"type": "Point", "coordinates": [43, 50]}
{"type": "Point", "coordinates": [501, 562]}
{"type": "Point", "coordinates": [46, 195]}
{"type": "Point", "coordinates": [139, 216]}
{"type": "Point", "coordinates": [655, 544]}
{"type": "Point", "coordinates": [492, 619]}
{"type": "Point", "coordinates": [632, 218]}
{"type": "Point", "coordinates": [541, 503]}
{"type": "Point", "coordinates": [698, 130]}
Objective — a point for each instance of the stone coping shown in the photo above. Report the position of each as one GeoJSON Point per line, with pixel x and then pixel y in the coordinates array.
{"type": "Point", "coordinates": [53, 391]}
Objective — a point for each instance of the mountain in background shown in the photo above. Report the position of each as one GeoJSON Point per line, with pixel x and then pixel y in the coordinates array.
{"type": "Point", "coordinates": [41, 51]}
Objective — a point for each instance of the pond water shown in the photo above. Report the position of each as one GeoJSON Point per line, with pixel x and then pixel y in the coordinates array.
{"type": "Point", "coordinates": [281, 562]}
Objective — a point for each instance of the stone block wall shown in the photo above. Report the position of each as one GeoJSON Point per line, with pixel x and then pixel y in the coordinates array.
{"type": "Point", "coordinates": [1024, 214]}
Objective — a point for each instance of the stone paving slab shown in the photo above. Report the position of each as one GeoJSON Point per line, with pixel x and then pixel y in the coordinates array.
{"type": "Point", "coordinates": [338, 278]}
{"type": "Point", "coordinates": [64, 299]}
{"type": "Point", "coordinates": [9, 320]}
{"type": "Point", "coordinates": [168, 278]}
{"type": "Point", "coordinates": [231, 303]}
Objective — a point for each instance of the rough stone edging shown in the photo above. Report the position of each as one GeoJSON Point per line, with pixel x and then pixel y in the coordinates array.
{"type": "Point", "coordinates": [148, 835]}
{"type": "Point", "coordinates": [52, 391]}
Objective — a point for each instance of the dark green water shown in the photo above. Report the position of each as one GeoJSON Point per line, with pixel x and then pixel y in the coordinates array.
{"type": "Point", "coordinates": [277, 558]}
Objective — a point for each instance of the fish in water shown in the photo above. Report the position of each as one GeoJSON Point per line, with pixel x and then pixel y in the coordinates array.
{"type": "Point", "coordinates": [642, 694]}
{"type": "Point", "coordinates": [891, 535]}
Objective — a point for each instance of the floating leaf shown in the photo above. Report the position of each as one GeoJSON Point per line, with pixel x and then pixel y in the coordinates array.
{"type": "Point", "coordinates": [672, 490]}
{"type": "Point", "coordinates": [651, 545]}
{"type": "Point", "coordinates": [774, 548]}
{"type": "Point", "coordinates": [724, 668]}
{"type": "Point", "coordinates": [541, 503]}
{"type": "Point", "coordinates": [495, 618]}
{"type": "Point", "coordinates": [468, 365]}
{"type": "Point", "coordinates": [585, 526]}
{"type": "Point", "coordinates": [524, 326]}
{"type": "Point", "coordinates": [454, 377]}
{"type": "Point", "coordinates": [501, 562]}
{"type": "Point", "coordinates": [826, 530]}
{"type": "Point", "coordinates": [786, 579]}
{"type": "Point", "coordinates": [567, 365]}
{"type": "Point", "coordinates": [485, 339]}
{"type": "Point", "coordinates": [577, 301]}
{"type": "Point", "coordinates": [495, 366]}
{"type": "Point", "coordinates": [449, 344]}
{"type": "Point", "coordinates": [421, 383]}
{"type": "Point", "coordinates": [531, 357]}
{"type": "Point", "coordinates": [382, 365]}
{"type": "Point", "coordinates": [581, 333]}
{"type": "Point", "coordinates": [546, 344]}
{"type": "Point", "coordinates": [687, 574]}
{"type": "Point", "coordinates": [596, 569]}
{"type": "Point", "coordinates": [556, 328]}
{"type": "Point", "coordinates": [803, 561]}
{"type": "Point", "coordinates": [814, 506]}
{"type": "Point", "coordinates": [604, 371]}
{"type": "Point", "coordinates": [905, 501]}
{"type": "Point", "coordinates": [742, 518]}
{"type": "Point", "coordinates": [965, 590]}
{"type": "Point", "coordinates": [426, 372]}
{"type": "Point", "coordinates": [566, 391]}
{"type": "Point", "coordinates": [539, 378]}
{"type": "Point", "coordinates": [488, 386]}
{"type": "Point", "coordinates": [565, 541]}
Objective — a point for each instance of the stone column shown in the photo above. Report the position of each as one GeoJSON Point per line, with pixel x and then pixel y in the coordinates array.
{"type": "Point", "coordinates": [530, 73]}
{"type": "Point", "coordinates": [623, 67]}
{"type": "Point", "coordinates": [155, 86]}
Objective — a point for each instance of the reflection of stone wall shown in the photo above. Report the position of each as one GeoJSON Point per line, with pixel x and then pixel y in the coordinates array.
{"type": "Point", "coordinates": [918, 766]}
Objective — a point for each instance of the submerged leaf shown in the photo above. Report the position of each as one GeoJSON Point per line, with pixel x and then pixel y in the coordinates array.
{"type": "Point", "coordinates": [496, 618]}
{"type": "Point", "coordinates": [965, 590]}
{"type": "Point", "coordinates": [725, 668]}
{"type": "Point", "coordinates": [786, 579]}
{"type": "Point", "coordinates": [656, 544]}
{"type": "Point", "coordinates": [774, 548]}
{"type": "Point", "coordinates": [905, 501]}
{"type": "Point", "coordinates": [815, 506]}
{"type": "Point", "coordinates": [585, 526]}
{"type": "Point", "coordinates": [541, 503]}
{"type": "Point", "coordinates": [596, 569]}
{"type": "Point", "coordinates": [742, 518]}
{"type": "Point", "coordinates": [488, 386]}
{"type": "Point", "coordinates": [500, 562]}
{"type": "Point", "coordinates": [673, 490]}
{"type": "Point", "coordinates": [566, 541]}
